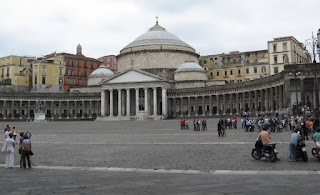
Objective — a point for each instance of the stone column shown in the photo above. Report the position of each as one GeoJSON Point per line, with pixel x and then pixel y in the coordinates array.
{"type": "Point", "coordinates": [119, 102]}
{"type": "Point", "coordinates": [83, 108]}
{"type": "Point", "coordinates": [111, 102]}
{"type": "Point", "coordinates": [52, 110]}
{"type": "Point", "coordinates": [196, 106]}
{"type": "Point", "coordinates": [224, 104]}
{"type": "Point", "coordinates": [12, 109]}
{"type": "Point", "coordinates": [237, 104]}
{"type": "Point", "coordinates": [103, 103]}
{"type": "Point", "coordinates": [189, 106]}
{"type": "Point", "coordinates": [28, 109]}
{"type": "Point", "coordinates": [68, 109]}
{"type": "Point", "coordinates": [181, 106]}
{"type": "Point", "coordinates": [281, 97]}
{"type": "Point", "coordinates": [231, 103]}
{"type": "Point", "coordinates": [277, 97]}
{"type": "Point", "coordinates": [155, 110]}
{"type": "Point", "coordinates": [146, 106]}
{"type": "Point", "coordinates": [218, 104]}
{"type": "Point", "coordinates": [164, 102]}
{"type": "Point", "coordinates": [250, 101]}
{"type": "Point", "coordinates": [20, 110]}
{"type": "Point", "coordinates": [272, 99]}
{"type": "Point", "coordinates": [287, 94]}
{"type": "Point", "coordinates": [90, 109]}
{"type": "Point", "coordinates": [45, 107]}
{"type": "Point", "coordinates": [203, 106]}
{"type": "Point", "coordinates": [210, 105]}
{"type": "Point", "coordinates": [173, 106]}
{"type": "Point", "coordinates": [137, 100]}
{"type": "Point", "coordinates": [256, 102]}
{"type": "Point", "coordinates": [98, 107]}
{"type": "Point", "coordinates": [60, 109]}
{"type": "Point", "coordinates": [243, 102]}
{"type": "Point", "coordinates": [4, 109]}
{"type": "Point", "coordinates": [303, 102]}
{"type": "Point", "coordinates": [128, 102]}
{"type": "Point", "coordinates": [262, 99]}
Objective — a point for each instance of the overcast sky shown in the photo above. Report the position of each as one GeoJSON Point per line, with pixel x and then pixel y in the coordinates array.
{"type": "Point", "coordinates": [104, 27]}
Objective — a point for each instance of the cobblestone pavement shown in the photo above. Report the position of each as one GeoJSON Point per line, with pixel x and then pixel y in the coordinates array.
{"type": "Point", "coordinates": [152, 157]}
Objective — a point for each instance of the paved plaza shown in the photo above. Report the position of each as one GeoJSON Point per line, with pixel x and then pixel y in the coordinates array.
{"type": "Point", "coordinates": [152, 157]}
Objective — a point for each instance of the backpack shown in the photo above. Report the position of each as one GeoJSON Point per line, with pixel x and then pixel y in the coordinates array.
{"type": "Point", "coordinates": [27, 147]}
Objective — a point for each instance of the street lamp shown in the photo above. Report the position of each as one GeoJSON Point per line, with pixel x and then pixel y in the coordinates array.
{"type": "Point", "coordinates": [297, 110]}
{"type": "Point", "coordinates": [313, 42]}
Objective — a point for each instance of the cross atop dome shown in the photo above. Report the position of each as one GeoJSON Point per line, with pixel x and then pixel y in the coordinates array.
{"type": "Point", "coordinates": [157, 19]}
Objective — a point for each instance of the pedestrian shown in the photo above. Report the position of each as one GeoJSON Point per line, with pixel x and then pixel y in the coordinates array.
{"type": "Point", "coordinates": [10, 144]}
{"type": "Point", "coordinates": [26, 149]}
{"type": "Point", "coordinates": [311, 129]}
{"type": "Point", "coordinates": [293, 144]}
{"type": "Point", "coordinates": [181, 124]}
{"type": "Point", "coordinates": [198, 125]}
{"type": "Point", "coordinates": [220, 127]}
{"type": "Point", "coordinates": [7, 128]}
{"type": "Point", "coordinates": [186, 124]}
{"type": "Point", "coordinates": [20, 147]}
{"type": "Point", "coordinates": [14, 132]}
{"type": "Point", "coordinates": [194, 125]}
{"type": "Point", "coordinates": [30, 157]}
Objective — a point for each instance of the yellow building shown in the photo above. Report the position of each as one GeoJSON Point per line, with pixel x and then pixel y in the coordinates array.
{"type": "Point", "coordinates": [47, 75]}
{"type": "Point", "coordinates": [15, 73]}
{"type": "Point", "coordinates": [256, 64]}
{"type": "Point", "coordinates": [228, 67]}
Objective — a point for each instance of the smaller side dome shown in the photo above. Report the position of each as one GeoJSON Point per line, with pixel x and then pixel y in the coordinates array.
{"type": "Point", "coordinates": [98, 75]}
{"type": "Point", "coordinates": [102, 71]}
{"type": "Point", "coordinates": [190, 66]}
{"type": "Point", "coordinates": [190, 71]}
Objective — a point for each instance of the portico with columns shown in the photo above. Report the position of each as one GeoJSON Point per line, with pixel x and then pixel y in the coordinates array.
{"type": "Point", "coordinates": [134, 95]}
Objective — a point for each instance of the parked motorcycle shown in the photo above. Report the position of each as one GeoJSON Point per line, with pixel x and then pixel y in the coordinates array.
{"type": "Point", "coordinates": [301, 150]}
{"type": "Point", "coordinates": [269, 151]}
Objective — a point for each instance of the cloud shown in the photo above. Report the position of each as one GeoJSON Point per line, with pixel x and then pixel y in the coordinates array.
{"type": "Point", "coordinates": [37, 27]}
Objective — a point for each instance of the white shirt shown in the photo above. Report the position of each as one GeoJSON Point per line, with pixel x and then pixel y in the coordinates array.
{"type": "Point", "coordinates": [6, 134]}
{"type": "Point", "coordinates": [9, 143]}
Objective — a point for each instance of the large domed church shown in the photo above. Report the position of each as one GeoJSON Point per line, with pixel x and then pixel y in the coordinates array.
{"type": "Point", "coordinates": [155, 62]}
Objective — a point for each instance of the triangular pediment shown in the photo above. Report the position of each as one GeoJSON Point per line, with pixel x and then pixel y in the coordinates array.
{"type": "Point", "coordinates": [133, 76]}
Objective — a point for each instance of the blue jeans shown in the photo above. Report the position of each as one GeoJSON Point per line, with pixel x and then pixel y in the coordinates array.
{"type": "Point", "coordinates": [292, 150]}
{"type": "Point", "coordinates": [25, 155]}
{"type": "Point", "coordinates": [311, 133]}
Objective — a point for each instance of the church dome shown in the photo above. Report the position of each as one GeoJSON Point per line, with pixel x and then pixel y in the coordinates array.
{"type": "Point", "coordinates": [190, 66]}
{"type": "Point", "coordinates": [157, 35]}
{"type": "Point", "coordinates": [102, 71]}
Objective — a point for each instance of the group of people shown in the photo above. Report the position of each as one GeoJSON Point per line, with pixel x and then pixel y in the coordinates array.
{"type": "Point", "coordinates": [200, 125]}
{"type": "Point", "coordinates": [25, 149]}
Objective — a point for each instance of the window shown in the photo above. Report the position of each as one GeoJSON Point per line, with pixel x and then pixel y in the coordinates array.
{"type": "Point", "coordinates": [8, 71]}
{"type": "Point", "coordinates": [276, 70]}
{"type": "Point", "coordinates": [215, 58]}
{"type": "Point", "coordinates": [73, 81]}
{"type": "Point", "coordinates": [231, 72]}
{"type": "Point", "coordinates": [255, 70]}
{"type": "Point", "coordinates": [68, 63]}
{"type": "Point", "coordinates": [60, 81]}
{"type": "Point", "coordinates": [35, 80]}
{"type": "Point", "coordinates": [240, 61]}
{"type": "Point", "coordinates": [60, 71]}
{"type": "Point", "coordinates": [72, 63]}
{"type": "Point", "coordinates": [240, 81]}
{"type": "Point", "coordinates": [68, 81]}
{"type": "Point", "coordinates": [275, 59]}
{"type": "Point", "coordinates": [205, 61]}
{"type": "Point", "coordinates": [36, 69]}
{"type": "Point", "coordinates": [91, 65]}
{"type": "Point", "coordinates": [225, 73]}
{"type": "Point", "coordinates": [79, 82]}
{"type": "Point", "coordinates": [247, 70]}
{"type": "Point", "coordinates": [218, 73]}
{"type": "Point", "coordinates": [85, 65]}
{"type": "Point", "coordinates": [72, 72]}
{"type": "Point", "coordinates": [3, 61]}
{"type": "Point", "coordinates": [263, 69]}
{"type": "Point", "coordinates": [84, 73]}
{"type": "Point", "coordinates": [79, 64]}
{"type": "Point", "coordinates": [285, 58]}
{"type": "Point", "coordinates": [43, 69]}
{"type": "Point", "coordinates": [274, 47]}
{"type": "Point", "coordinates": [2, 72]}
{"type": "Point", "coordinates": [216, 64]}
{"type": "Point", "coordinates": [68, 72]}
{"type": "Point", "coordinates": [231, 81]}
{"type": "Point", "coordinates": [239, 72]}
{"type": "Point", "coordinates": [78, 73]}
{"type": "Point", "coordinates": [43, 80]}
{"type": "Point", "coordinates": [20, 62]}
{"type": "Point", "coordinates": [284, 46]}
{"type": "Point", "coordinates": [211, 74]}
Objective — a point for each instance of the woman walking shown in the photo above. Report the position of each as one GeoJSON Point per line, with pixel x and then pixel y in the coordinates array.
{"type": "Point", "coordinates": [26, 149]}
{"type": "Point", "coordinates": [10, 144]}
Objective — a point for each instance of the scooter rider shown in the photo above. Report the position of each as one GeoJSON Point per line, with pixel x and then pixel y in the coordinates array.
{"type": "Point", "coordinates": [265, 137]}
{"type": "Point", "coordinates": [316, 138]}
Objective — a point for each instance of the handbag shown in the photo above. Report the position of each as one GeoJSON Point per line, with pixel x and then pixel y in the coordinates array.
{"type": "Point", "coordinates": [30, 153]}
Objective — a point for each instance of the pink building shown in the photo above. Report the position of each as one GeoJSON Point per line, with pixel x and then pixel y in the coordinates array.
{"type": "Point", "coordinates": [110, 61]}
